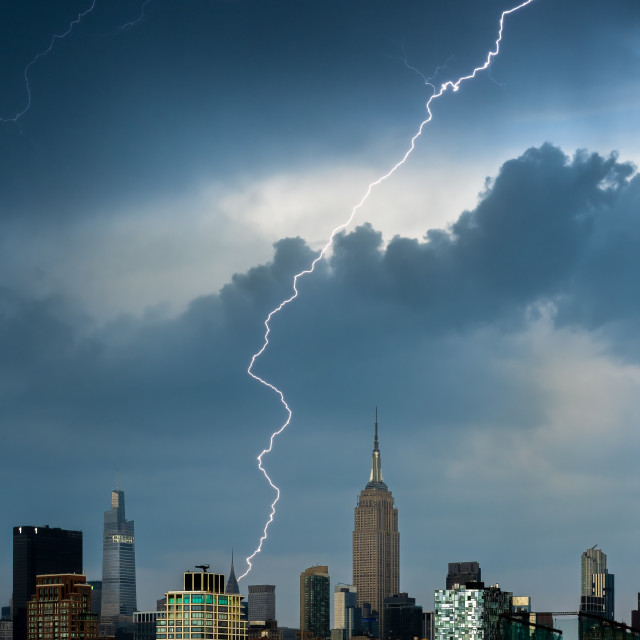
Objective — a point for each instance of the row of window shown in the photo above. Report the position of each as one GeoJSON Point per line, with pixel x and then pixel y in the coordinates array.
{"type": "Point", "coordinates": [199, 620]}
{"type": "Point", "coordinates": [199, 634]}
{"type": "Point", "coordinates": [200, 599]}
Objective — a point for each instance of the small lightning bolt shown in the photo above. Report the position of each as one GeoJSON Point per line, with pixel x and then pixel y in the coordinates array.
{"type": "Point", "coordinates": [128, 25]}
{"type": "Point", "coordinates": [42, 54]}
{"type": "Point", "coordinates": [449, 85]}
{"type": "Point", "coordinates": [427, 80]}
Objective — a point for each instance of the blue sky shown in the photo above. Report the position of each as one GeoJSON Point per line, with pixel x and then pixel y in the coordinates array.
{"type": "Point", "coordinates": [169, 178]}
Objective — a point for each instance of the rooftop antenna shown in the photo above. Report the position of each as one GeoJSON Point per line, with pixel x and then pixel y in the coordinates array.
{"type": "Point", "coordinates": [375, 441]}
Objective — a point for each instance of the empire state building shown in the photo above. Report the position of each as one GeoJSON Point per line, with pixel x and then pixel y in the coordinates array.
{"type": "Point", "coordinates": [376, 541]}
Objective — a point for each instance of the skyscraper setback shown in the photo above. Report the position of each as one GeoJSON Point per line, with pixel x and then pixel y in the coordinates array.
{"type": "Point", "coordinates": [118, 570]}
{"type": "Point", "coordinates": [597, 591]}
{"type": "Point", "coordinates": [376, 541]}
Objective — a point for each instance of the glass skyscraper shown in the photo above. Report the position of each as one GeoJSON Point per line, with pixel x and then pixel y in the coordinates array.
{"type": "Point", "coordinates": [118, 571]}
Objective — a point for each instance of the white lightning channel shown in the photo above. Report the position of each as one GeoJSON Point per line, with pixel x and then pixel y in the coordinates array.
{"type": "Point", "coordinates": [42, 54]}
{"type": "Point", "coordinates": [449, 85]}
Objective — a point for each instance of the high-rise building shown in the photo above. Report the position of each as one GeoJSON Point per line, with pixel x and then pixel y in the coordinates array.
{"type": "Point", "coordinates": [315, 602]}
{"type": "Point", "coordinates": [61, 608]}
{"type": "Point", "coordinates": [346, 613]}
{"type": "Point", "coordinates": [462, 572]}
{"type": "Point", "coordinates": [376, 541]}
{"type": "Point", "coordinates": [40, 550]}
{"type": "Point", "coordinates": [597, 585]}
{"type": "Point", "coordinates": [262, 602]}
{"type": "Point", "coordinates": [471, 612]}
{"type": "Point", "coordinates": [118, 571]}
{"type": "Point", "coordinates": [202, 609]}
{"type": "Point", "coordinates": [402, 618]}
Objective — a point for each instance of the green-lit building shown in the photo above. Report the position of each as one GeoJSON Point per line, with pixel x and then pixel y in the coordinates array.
{"type": "Point", "coordinates": [202, 609]}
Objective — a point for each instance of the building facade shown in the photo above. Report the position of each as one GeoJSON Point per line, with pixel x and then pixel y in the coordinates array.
{"type": "Point", "coordinates": [202, 609]}
{"type": "Point", "coordinates": [402, 618]}
{"type": "Point", "coordinates": [145, 623]}
{"type": "Point", "coordinates": [462, 572]}
{"type": "Point", "coordinates": [36, 551]}
{"type": "Point", "coordinates": [61, 609]}
{"type": "Point", "coordinates": [471, 612]}
{"type": "Point", "coordinates": [262, 602]}
{"type": "Point", "coordinates": [315, 603]}
{"type": "Point", "coordinates": [376, 541]}
{"type": "Point", "coordinates": [118, 571]}
{"type": "Point", "coordinates": [347, 615]}
{"type": "Point", "coordinates": [428, 622]}
{"type": "Point", "coordinates": [6, 624]}
{"type": "Point", "coordinates": [597, 585]}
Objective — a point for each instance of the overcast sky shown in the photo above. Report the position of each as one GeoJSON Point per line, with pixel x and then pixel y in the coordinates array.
{"type": "Point", "coordinates": [167, 167]}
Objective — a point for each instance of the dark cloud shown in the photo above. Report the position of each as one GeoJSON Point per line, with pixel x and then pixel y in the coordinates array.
{"type": "Point", "coordinates": [548, 229]}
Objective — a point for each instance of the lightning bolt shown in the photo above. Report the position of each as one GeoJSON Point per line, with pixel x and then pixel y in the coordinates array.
{"type": "Point", "coordinates": [427, 81]}
{"type": "Point", "coordinates": [42, 54]}
{"type": "Point", "coordinates": [128, 25]}
{"type": "Point", "coordinates": [449, 85]}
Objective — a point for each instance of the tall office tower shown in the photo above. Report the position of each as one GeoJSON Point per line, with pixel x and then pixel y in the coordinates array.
{"type": "Point", "coordinates": [470, 613]}
{"type": "Point", "coordinates": [61, 608]}
{"type": "Point", "coordinates": [347, 615]}
{"type": "Point", "coordinates": [202, 609]}
{"type": "Point", "coordinates": [597, 588]}
{"type": "Point", "coordinates": [462, 572]}
{"type": "Point", "coordinates": [315, 601]}
{"type": "Point", "coordinates": [262, 602]}
{"type": "Point", "coordinates": [39, 550]}
{"type": "Point", "coordinates": [118, 571]}
{"type": "Point", "coordinates": [376, 541]}
{"type": "Point", "coordinates": [402, 618]}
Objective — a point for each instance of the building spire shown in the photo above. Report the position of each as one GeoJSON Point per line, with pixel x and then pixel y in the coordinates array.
{"type": "Point", "coordinates": [375, 439]}
{"type": "Point", "coordinates": [376, 480]}
{"type": "Point", "coordinates": [232, 583]}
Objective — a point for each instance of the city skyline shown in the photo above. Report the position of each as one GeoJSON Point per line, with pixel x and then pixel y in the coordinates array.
{"type": "Point", "coordinates": [484, 299]}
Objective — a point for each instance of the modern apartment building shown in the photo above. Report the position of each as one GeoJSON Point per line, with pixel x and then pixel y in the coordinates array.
{"type": "Point", "coordinates": [202, 609]}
